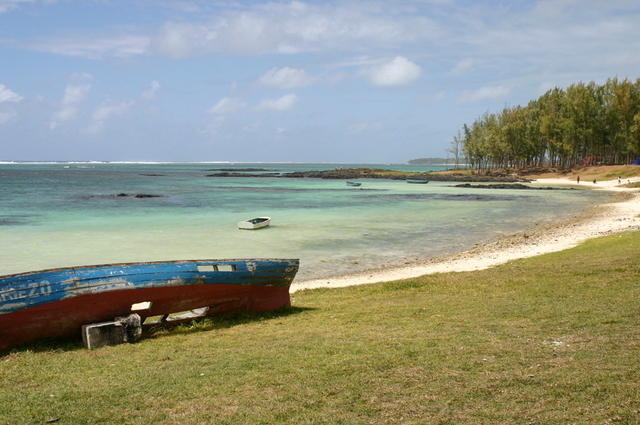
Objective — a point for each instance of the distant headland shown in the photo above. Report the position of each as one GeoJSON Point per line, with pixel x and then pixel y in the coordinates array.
{"type": "Point", "coordinates": [431, 161]}
{"type": "Point", "coordinates": [377, 173]}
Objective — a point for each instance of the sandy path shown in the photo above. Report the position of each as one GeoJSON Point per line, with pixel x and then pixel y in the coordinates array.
{"type": "Point", "coordinates": [606, 219]}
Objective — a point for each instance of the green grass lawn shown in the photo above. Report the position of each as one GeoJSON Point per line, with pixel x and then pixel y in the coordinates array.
{"type": "Point", "coordinates": [553, 339]}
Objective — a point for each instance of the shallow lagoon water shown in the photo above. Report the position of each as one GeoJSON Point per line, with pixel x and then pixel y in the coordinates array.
{"type": "Point", "coordinates": [57, 215]}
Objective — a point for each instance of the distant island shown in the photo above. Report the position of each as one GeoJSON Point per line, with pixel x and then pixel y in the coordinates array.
{"type": "Point", "coordinates": [431, 161]}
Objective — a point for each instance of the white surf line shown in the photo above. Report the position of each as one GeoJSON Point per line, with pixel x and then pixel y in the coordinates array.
{"type": "Point", "coordinates": [609, 218]}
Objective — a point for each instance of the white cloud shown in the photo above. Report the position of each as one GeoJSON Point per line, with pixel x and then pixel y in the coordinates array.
{"type": "Point", "coordinates": [399, 71]}
{"type": "Point", "coordinates": [150, 92]}
{"type": "Point", "coordinates": [180, 39]}
{"type": "Point", "coordinates": [356, 62]}
{"type": "Point", "coordinates": [77, 91]}
{"type": "Point", "coordinates": [286, 78]}
{"type": "Point", "coordinates": [7, 5]}
{"type": "Point", "coordinates": [282, 103]}
{"type": "Point", "coordinates": [484, 93]}
{"type": "Point", "coordinates": [260, 28]}
{"type": "Point", "coordinates": [8, 95]}
{"type": "Point", "coordinates": [543, 37]}
{"type": "Point", "coordinates": [552, 36]}
{"type": "Point", "coordinates": [106, 112]}
{"type": "Point", "coordinates": [96, 47]}
{"type": "Point", "coordinates": [462, 66]}
{"type": "Point", "coordinates": [292, 27]}
{"type": "Point", "coordinates": [74, 94]}
{"type": "Point", "coordinates": [227, 106]}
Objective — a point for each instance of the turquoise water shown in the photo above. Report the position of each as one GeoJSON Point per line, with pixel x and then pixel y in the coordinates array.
{"type": "Point", "coordinates": [56, 215]}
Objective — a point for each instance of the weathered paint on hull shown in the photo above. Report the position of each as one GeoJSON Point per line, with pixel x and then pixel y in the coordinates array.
{"type": "Point", "coordinates": [254, 285]}
{"type": "Point", "coordinates": [67, 316]}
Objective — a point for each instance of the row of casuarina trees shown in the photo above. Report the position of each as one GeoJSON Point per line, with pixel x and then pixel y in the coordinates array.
{"type": "Point", "coordinates": [582, 124]}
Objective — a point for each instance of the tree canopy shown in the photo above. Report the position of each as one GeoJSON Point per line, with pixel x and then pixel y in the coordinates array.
{"type": "Point", "coordinates": [583, 124]}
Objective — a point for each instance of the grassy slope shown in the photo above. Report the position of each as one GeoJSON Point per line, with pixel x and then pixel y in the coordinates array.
{"type": "Point", "coordinates": [602, 172]}
{"type": "Point", "coordinates": [552, 339]}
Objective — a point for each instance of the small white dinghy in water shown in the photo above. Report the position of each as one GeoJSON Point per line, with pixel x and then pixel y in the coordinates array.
{"type": "Point", "coordinates": [254, 223]}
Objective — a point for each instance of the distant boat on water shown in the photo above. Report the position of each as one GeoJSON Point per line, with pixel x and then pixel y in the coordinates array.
{"type": "Point", "coordinates": [418, 181]}
{"type": "Point", "coordinates": [58, 302]}
{"type": "Point", "coordinates": [254, 223]}
{"type": "Point", "coordinates": [354, 184]}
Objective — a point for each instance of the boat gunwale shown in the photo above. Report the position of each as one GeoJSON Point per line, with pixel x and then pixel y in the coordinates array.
{"type": "Point", "coordinates": [141, 263]}
{"type": "Point", "coordinates": [145, 284]}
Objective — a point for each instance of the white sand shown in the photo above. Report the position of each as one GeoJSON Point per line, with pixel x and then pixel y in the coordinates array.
{"type": "Point", "coordinates": [607, 219]}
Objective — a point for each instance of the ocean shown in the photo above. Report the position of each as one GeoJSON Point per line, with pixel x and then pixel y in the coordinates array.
{"type": "Point", "coordinates": [67, 214]}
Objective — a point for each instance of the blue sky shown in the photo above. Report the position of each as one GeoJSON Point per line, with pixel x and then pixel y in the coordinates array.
{"type": "Point", "coordinates": [306, 81]}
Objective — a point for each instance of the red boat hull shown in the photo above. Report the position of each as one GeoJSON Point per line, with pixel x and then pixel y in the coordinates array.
{"type": "Point", "coordinates": [66, 317]}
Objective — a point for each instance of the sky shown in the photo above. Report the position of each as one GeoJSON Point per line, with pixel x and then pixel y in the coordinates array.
{"type": "Point", "coordinates": [279, 81]}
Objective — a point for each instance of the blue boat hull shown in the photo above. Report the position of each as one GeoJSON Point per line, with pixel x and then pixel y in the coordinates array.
{"type": "Point", "coordinates": [58, 302]}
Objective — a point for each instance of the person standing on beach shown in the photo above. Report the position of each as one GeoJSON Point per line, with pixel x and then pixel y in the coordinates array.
{"type": "Point", "coordinates": [578, 179]}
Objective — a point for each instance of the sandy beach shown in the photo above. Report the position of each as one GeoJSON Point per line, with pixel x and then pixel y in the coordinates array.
{"type": "Point", "coordinates": [604, 219]}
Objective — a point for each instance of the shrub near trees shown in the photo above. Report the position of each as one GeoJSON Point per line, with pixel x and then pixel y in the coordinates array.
{"type": "Point", "coordinates": [584, 124]}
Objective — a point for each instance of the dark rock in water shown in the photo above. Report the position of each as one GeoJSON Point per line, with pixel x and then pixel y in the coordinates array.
{"type": "Point", "coordinates": [138, 195]}
{"type": "Point", "coordinates": [13, 220]}
{"type": "Point", "coordinates": [146, 195]}
{"type": "Point", "coordinates": [153, 175]}
{"type": "Point", "coordinates": [510, 186]}
{"type": "Point", "coordinates": [375, 173]}
{"type": "Point", "coordinates": [228, 174]}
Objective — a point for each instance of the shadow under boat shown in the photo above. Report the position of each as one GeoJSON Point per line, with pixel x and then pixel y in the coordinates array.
{"type": "Point", "coordinates": [167, 329]}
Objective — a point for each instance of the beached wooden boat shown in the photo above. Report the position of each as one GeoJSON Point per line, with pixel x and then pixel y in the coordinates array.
{"type": "Point", "coordinates": [354, 184]}
{"type": "Point", "coordinates": [254, 223]}
{"type": "Point", "coordinates": [418, 181]}
{"type": "Point", "coordinates": [58, 302]}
